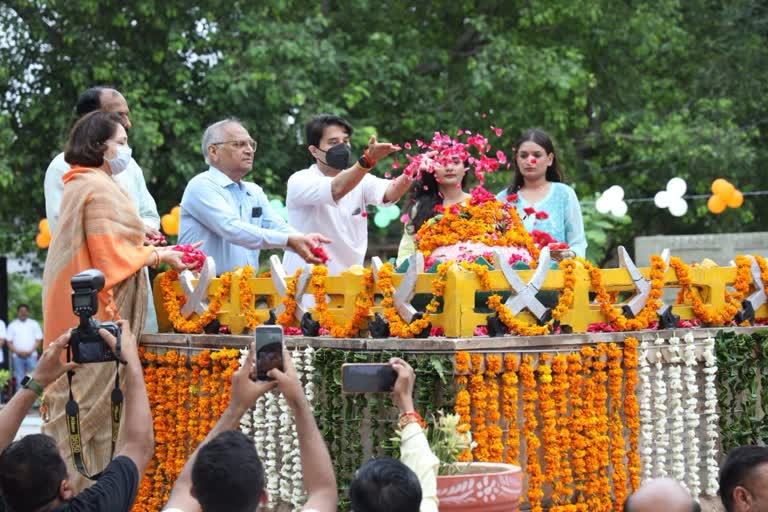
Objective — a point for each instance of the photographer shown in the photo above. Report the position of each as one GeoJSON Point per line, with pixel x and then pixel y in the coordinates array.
{"type": "Point", "coordinates": [410, 484]}
{"type": "Point", "coordinates": [33, 475]}
{"type": "Point", "coordinates": [225, 474]}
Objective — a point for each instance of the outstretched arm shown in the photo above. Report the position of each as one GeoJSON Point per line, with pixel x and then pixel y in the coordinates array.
{"type": "Point", "coordinates": [48, 369]}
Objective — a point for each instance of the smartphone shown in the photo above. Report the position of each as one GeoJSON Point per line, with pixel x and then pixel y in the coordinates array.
{"type": "Point", "coordinates": [367, 378]}
{"type": "Point", "coordinates": [269, 350]}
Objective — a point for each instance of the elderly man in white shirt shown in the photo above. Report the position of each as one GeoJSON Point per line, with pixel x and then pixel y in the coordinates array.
{"type": "Point", "coordinates": [132, 179]}
{"type": "Point", "coordinates": [24, 337]}
{"type": "Point", "coordinates": [330, 197]}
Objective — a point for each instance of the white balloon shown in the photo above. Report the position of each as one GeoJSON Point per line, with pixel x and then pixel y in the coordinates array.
{"type": "Point", "coordinates": [662, 199]}
{"type": "Point", "coordinates": [619, 209]}
{"type": "Point", "coordinates": [603, 204]}
{"type": "Point", "coordinates": [676, 187]}
{"type": "Point", "coordinates": [678, 207]}
{"type": "Point", "coordinates": [615, 192]}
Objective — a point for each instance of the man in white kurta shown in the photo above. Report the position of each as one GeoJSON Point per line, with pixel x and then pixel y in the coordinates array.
{"type": "Point", "coordinates": [132, 179]}
{"type": "Point", "coordinates": [330, 197]}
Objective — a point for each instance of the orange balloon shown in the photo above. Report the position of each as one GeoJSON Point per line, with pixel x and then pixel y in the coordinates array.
{"type": "Point", "coordinates": [176, 211]}
{"type": "Point", "coordinates": [43, 240]}
{"type": "Point", "coordinates": [719, 186]}
{"type": "Point", "coordinates": [43, 226]}
{"type": "Point", "coordinates": [716, 204]}
{"type": "Point", "coordinates": [170, 224]}
{"type": "Point", "coordinates": [736, 199]}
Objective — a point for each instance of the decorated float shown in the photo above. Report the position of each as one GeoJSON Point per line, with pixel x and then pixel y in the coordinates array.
{"type": "Point", "coordinates": [625, 374]}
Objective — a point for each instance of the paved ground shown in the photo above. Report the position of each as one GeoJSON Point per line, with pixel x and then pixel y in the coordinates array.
{"type": "Point", "coordinates": [30, 425]}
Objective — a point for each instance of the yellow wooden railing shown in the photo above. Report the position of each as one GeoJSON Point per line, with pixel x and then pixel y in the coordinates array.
{"type": "Point", "coordinates": [459, 315]}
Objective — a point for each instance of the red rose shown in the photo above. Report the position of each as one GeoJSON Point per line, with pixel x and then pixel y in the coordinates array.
{"type": "Point", "coordinates": [530, 210]}
{"type": "Point", "coordinates": [542, 215]}
{"type": "Point", "coordinates": [439, 208]}
{"type": "Point", "coordinates": [320, 253]}
{"type": "Point", "coordinates": [512, 198]}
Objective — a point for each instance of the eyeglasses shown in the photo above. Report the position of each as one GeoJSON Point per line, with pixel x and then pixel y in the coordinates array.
{"type": "Point", "coordinates": [239, 144]}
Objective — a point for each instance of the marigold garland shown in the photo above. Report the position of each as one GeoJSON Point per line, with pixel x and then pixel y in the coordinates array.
{"type": "Point", "coordinates": [509, 396]}
{"type": "Point", "coordinates": [565, 301]}
{"type": "Point", "coordinates": [493, 366]}
{"type": "Point", "coordinates": [463, 400]}
{"type": "Point", "coordinates": [632, 411]}
{"type": "Point", "coordinates": [616, 426]}
{"type": "Point", "coordinates": [577, 424]}
{"type": "Point", "coordinates": [548, 413]}
{"type": "Point", "coordinates": [732, 300]}
{"type": "Point", "coordinates": [247, 298]}
{"type": "Point", "coordinates": [363, 304]}
{"type": "Point", "coordinates": [173, 304]}
{"type": "Point", "coordinates": [286, 318]}
{"type": "Point", "coordinates": [186, 397]}
{"type": "Point", "coordinates": [563, 481]}
{"type": "Point", "coordinates": [648, 314]}
{"type": "Point", "coordinates": [479, 396]}
{"type": "Point", "coordinates": [397, 327]}
{"type": "Point", "coordinates": [530, 424]}
{"type": "Point", "coordinates": [601, 432]}
{"type": "Point", "coordinates": [516, 326]}
{"type": "Point", "coordinates": [481, 271]}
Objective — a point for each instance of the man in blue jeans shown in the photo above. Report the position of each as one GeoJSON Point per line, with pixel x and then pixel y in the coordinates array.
{"type": "Point", "coordinates": [24, 337]}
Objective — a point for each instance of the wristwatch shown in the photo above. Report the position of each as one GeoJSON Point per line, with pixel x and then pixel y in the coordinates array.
{"type": "Point", "coordinates": [31, 384]}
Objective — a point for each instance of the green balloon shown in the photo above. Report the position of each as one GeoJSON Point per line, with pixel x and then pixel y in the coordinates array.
{"type": "Point", "coordinates": [392, 211]}
{"type": "Point", "coordinates": [381, 220]}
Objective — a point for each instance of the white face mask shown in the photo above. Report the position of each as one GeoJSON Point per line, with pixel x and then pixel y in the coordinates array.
{"type": "Point", "coordinates": [121, 160]}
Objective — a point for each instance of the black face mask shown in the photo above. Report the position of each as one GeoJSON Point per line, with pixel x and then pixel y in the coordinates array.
{"type": "Point", "coordinates": [338, 156]}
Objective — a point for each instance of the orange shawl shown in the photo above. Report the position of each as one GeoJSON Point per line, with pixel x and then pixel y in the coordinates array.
{"type": "Point", "coordinates": [99, 227]}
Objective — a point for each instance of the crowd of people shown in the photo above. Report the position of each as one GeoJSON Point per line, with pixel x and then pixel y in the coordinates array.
{"type": "Point", "coordinates": [102, 216]}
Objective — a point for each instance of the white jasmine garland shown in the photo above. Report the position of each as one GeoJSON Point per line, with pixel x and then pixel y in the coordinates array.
{"type": "Point", "coordinates": [677, 460]}
{"type": "Point", "coordinates": [286, 442]}
{"type": "Point", "coordinates": [661, 435]}
{"type": "Point", "coordinates": [270, 450]}
{"type": "Point", "coordinates": [711, 416]}
{"type": "Point", "coordinates": [691, 414]}
{"type": "Point", "coordinates": [644, 394]}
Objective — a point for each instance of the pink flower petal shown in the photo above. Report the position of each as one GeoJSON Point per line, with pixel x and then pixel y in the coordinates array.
{"type": "Point", "coordinates": [407, 145]}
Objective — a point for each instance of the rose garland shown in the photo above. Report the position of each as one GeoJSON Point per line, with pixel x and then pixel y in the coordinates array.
{"type": "Point", "coordinates": [691, 416]}
{"type": "Point", "coordinates": [632, 411]}
{"type": "Point", "coordinates": [616, 428]}
{"type": "Point", "coordinates": [479, 396]}
{"type": "Point", "coordinates": [733, 300]}
{"type": "Point", "coordinates": [710, 412]}
{"type": "Point", "coordinates": [645, 399]}
{"type": "Point", "coordinates": [286, 318]}
{"type": "Point", "coordinates": [530, 424]}
{"type": "Point", "coordinates": [493, 366]}
{"type": "Point", "coordinates": [548, 414]}
{"type": "Point", "coordinates": [363, 304]}
{"type": "Point", "coordinates": [648, 314]}
{"type": "Point", "coordinates": [509, 396]}
{"type": "Point", "coordinates": [173, 305]}
{"type": "Point", "coordinates": [396, 325]}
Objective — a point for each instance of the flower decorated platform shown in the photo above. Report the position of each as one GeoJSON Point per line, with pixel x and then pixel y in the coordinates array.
{"type": "Point", "coordinates": [586, 416]}
{"type": "Point", "coordinates": [610, 384]}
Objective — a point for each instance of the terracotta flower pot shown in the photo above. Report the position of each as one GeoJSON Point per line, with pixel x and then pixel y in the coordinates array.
{"type": "Point", "coordinates": [486, 486]}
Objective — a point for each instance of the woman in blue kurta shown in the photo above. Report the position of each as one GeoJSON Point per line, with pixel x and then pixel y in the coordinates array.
{"type": "Point", "coordinates": [538, 183]}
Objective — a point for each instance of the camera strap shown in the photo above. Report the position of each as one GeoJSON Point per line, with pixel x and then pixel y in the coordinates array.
{"type": "Point", "coordinates": [73, 418]}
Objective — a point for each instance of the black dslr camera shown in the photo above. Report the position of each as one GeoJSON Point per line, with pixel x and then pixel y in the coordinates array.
{"type": "Point", "coordinates": [87, 345]}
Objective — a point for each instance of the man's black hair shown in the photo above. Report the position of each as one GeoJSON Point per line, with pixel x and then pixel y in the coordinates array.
{"type": "Point", "coordinates": [737, 470]}
{"type": "Point", "coordinates": [90, 100]}
{"type": "Point", "coordinates": [18, 308]}
{"type": "Point", "coordinates": [227, 475]}
{"type": "Point", "coordinates": [316, 126]}
{"type": "Point", "coordinates": [385, 485]}
{"type": "Point", "coordinates": [31, 472]}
